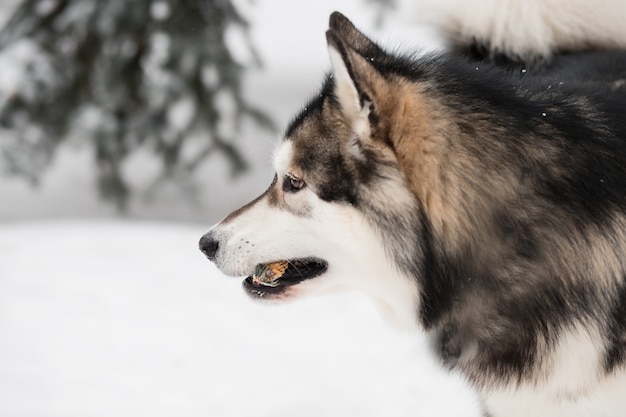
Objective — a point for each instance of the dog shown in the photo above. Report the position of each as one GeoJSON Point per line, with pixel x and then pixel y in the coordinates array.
{"type": "Point", "coordinates": [478, 194]}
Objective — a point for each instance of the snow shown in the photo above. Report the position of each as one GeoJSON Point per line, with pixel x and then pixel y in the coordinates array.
{"type": "Point", "coordinates": [120, 318]}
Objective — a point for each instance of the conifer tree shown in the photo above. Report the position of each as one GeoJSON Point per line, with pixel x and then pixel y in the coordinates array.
{"type": "Point", "coordinates": [123, 77]}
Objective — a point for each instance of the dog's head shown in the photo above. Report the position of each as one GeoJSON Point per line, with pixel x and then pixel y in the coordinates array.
{"type": "Point", "coordinates": [339, 212]}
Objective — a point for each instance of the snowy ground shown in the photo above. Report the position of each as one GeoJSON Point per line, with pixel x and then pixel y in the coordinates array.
{"type": "Point", "coordinates": [126, 319]}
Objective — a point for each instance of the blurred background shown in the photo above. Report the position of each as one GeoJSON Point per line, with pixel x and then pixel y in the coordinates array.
{"type": "Point", "coordinates": [157, 109]}
{"type": "Point", "coordinates": [127, 128]}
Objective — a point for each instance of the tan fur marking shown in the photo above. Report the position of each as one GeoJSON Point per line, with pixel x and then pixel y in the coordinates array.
{"type": "Point", "coordinates": [419, 140]}
{"type": "Point", "coordinates": [457, 190]}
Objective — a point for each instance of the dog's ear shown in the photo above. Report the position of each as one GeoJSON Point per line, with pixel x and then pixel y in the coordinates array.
{"type": "Point", "coordinates": [357, 82]}
{"type": "Point", "coordinates": [352, 36]}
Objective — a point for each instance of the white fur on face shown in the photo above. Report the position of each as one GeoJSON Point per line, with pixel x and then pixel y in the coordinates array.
{"type": "Point", "coordinates": [334, 232]}
{"type": "Point", "coordinates": [282, 158]}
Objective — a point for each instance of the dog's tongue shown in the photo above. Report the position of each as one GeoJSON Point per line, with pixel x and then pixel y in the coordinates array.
{"type": "Point", "coordinates": [268, 274]}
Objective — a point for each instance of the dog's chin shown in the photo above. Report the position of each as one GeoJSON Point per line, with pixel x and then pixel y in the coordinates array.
{"type": "Point", "coordinates": [297, 271]}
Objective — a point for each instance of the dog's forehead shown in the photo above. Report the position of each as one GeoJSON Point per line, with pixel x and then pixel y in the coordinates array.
{"type": "Point", "coordinates": [309, 150]}
{"type": "Point", "coordinates": [313, 148]}
{"type": "Point", "coordinates": [314, 142]}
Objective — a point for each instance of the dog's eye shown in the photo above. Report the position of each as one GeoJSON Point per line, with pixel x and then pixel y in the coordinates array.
{"type": "Point", "coordinates": [292, 184]}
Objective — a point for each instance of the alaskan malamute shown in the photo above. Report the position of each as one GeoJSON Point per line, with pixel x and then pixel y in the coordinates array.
{"type": "Point", "coordinates": [479, 194]}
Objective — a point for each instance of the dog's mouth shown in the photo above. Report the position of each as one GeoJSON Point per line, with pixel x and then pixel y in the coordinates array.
{"type": "Point", "coordinates": [274, 277]}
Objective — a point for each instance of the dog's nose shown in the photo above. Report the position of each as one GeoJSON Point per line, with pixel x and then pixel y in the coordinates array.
{"type": "Point", "coordinates": [209, 245]}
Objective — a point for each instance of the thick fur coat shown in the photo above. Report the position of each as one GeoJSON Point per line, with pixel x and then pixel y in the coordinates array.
{"type": "Point", "coordinates": [482, 199]}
